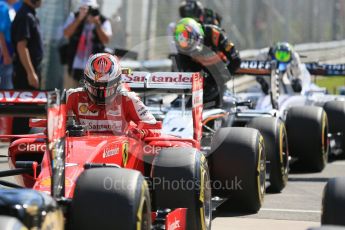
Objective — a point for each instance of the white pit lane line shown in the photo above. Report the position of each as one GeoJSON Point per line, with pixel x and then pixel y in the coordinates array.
{"type": "Point", "coordinates": [289, 210]}
{"type": "Point", "coordinates": [338, 163]}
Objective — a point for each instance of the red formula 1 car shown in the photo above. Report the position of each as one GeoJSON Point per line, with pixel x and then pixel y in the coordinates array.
{"type": "Point", "coordinates": [118, 182]}
{"type": "Point", "coordinates": [108, 181]}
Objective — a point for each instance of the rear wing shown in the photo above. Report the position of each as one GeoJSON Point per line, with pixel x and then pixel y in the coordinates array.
{"type": "Point", "coordinates": [255, 67]}
{"type": "Point", "coordinates": [23, 103]}
{"type": "Point", "coordinates": [42, 104]}
{"type": "Point", "coordinates": [172, 82]}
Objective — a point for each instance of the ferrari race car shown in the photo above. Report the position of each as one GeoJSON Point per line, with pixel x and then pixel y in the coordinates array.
{"type": "Point", "coordinates": [310, 134]}
{"type": "Point", "coordinates": [76, 179]}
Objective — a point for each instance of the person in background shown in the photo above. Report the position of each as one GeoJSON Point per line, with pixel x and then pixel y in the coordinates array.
{"type": "Point", "coordinates": [196, 10]}
{"type": "Point", "coordinates": [28, 54]}
{"type": "Point", "coordinates": [87, 32]}
{"type": "Point", "coordinates": [206, 48]}
{"type": "Point", "coordinates": [192, 9]}
{"type": "Point", "coordinates": [7, 14]}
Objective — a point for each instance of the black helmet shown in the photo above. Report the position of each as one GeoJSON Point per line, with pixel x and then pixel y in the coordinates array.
{"type": "Point", "coordinates": [191, 9]}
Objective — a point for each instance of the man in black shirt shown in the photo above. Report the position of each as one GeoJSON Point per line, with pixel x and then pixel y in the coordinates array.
{"type": "Point", "coordinates": [27, 42]}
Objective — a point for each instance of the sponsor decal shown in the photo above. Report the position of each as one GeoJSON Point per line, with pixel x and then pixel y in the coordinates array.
{"type": "Point", "coordinates": [46, 182]}
{"type": "Point", "coordinates": [125, 154]}
{"type": "Point", "coordinates": [159, 78]}
{"type": "Point", "coordinates": [108, 152]}
{"type": "Point", "coordinates": [255, 65]}
{"type": "Point", "coordinates": [152, 149]}
{"type": "Point", "coordinates": [35, 147]}
{"type": "Point", "coordinates": [197, 98]}
{"type": "Point", "coordinates": [83, 108]}
{"type": "Point", "coordinates": [176, 79]}
{"type": "Point", "coordinates": [102, 125]}
{"type": "Point", "coordinates": [29, 97]}
{"type": "Point", "coordinates": [174, 225]}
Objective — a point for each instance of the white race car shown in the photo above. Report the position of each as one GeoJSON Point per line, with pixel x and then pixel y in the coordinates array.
{"type": "Point", "coordinates": [310, 134]}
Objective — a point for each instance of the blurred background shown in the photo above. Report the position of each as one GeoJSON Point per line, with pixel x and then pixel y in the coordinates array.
{"type": "Point", "coordinates": [251, 24]}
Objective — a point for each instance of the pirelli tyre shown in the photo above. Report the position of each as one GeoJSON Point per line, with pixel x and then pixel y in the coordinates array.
{"type": "Point", "coordinates": [276, 147]}
{"type": "Point", "coordinates": [307, 131]}
{"type": "Point", "coordinates": [333, 202]}
{"type": "Point", "coordinates": [238, 168]}
{"type": "Point", "coordinates": [11, 223]}
{"type": "Point", "coordinates": [110, 198]}
{"type": "Point", "coordinates": [336, 117]}
{"type": "Point", "coordinates": [180, 179]}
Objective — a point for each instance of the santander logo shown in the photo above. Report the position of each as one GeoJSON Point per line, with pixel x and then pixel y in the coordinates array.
{"type": "Point", "coordinates": [168, 77]}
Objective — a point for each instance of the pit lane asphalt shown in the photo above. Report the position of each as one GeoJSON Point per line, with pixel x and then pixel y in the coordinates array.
{"type": "Point", "coordinates": [297, 207]}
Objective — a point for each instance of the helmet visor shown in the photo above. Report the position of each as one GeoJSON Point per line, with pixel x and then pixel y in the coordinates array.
{"type": "Point", "coordinates": [282, 55]}
{"type": "Point", "coordinates": [100, 94]}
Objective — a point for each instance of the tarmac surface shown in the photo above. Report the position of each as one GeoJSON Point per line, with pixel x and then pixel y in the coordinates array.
{"type": "Point", "coordinates": [298, 207]}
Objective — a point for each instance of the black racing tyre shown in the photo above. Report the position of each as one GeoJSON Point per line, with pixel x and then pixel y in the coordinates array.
{"type": "Point", "coordinates": [276, 148]}
{"type": "Point", "coordinates": [110, 198]}
{"type": "Point", "coordinates": [11, 223]}
{"type": "Point", "coordinates": [336, 117]}
{"type": "Point", "coordinates": [238, 168]}
{"type": "Point", "coordinates": [333, 202]}
{"type": "Point", "coordinates": [307, 131]}
{"type": "Point", "coordinates": [181, 179]}
{"type": "Point", "coordinates": [328, 227]}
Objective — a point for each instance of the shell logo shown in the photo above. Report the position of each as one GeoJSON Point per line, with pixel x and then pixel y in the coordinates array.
{"type": "Point", "coordinates": [83, 108]}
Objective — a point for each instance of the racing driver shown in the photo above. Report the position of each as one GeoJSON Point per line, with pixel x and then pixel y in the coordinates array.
{"type": "Point", "coordinates": [104, 105]}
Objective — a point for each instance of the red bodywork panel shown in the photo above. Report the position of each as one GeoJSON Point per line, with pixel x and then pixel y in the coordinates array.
{"type": "Point", "coordinates": [121, 150]}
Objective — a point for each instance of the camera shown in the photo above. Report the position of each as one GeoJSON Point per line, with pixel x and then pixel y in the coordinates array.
{"type": "Point", "coordinates": [93, 11]}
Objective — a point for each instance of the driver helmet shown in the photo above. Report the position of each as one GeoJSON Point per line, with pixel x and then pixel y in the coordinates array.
{"type": "Point", "coordinates": [191, 9]}
{"type": "Point", "coordinates": [189, 35]}
{"type": "Point", "coordinates": [102, 77]}
{"type": "Point", "coordinates": [282, 52]}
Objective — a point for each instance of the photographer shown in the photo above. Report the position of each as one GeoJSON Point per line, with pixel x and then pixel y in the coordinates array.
{"type": "Point", "coordinates": [88, 31]}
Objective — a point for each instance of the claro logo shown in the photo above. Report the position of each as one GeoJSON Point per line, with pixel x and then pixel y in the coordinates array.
{"type": "Point", "coordinates": [32, 147]}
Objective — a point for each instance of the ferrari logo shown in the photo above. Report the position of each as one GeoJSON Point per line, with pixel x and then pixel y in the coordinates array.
{"type": "Point", "coordinates": [125, 154]}
{"type": "Point", "coordinates": [83, 108]}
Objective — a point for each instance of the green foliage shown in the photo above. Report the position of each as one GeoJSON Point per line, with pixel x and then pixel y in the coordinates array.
{"type": "Point", "coordinates": [331, 83]}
